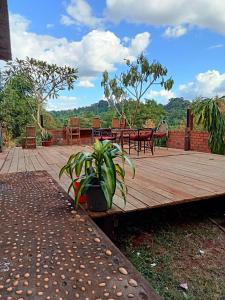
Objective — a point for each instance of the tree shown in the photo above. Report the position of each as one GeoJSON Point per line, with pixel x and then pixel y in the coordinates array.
{"type": "Point", "coordinates": [176, 110]}
{"type": "Point", "coordinates": [210, 114]}
{"type": "Point", "coordinates": [148, 110]}
{"type": "Point", "coordinates": [15, 114]}
{"type": "Point", "coordinates": [45, 80]}
{"type": "Point", "coordinates": [134, 84]}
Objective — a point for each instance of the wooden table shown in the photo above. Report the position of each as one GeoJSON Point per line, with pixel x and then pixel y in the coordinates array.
{"type": "Point", "coordinates": [121, 131]}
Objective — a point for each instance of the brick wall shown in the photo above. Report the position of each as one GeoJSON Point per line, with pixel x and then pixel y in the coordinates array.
{"type": "Point", "coordinates": [176, 139]}
{"type": "Point", "coordinates": [59, 136]}
{"type": "Point", "coordinates": [199, 141]}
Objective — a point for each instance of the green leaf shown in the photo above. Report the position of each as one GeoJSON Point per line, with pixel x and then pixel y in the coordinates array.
{"type": "Point", "coordinates": [120, 171]}
{"type": "Point", "coordinates": [108, 195]}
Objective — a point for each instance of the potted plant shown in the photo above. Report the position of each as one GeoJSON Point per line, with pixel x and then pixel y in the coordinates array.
{"type": "Point", "coordinates": [46, 139]}
{"type": "Point", "coordinates": [99, 174]}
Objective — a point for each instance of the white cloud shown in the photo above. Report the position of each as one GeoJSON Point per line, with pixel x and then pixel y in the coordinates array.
{"type": "Point", "coordinates": [161, 96]}
{"type": "Point", "coordinates": [96, 52]}
{"type": "Point", "coordinates": [202, 13]}
{"type": "Point", "coordinates": [62, 103]}
{"type": "Point", "coordinates": [208, 84]}
{"type": "Point", "coordinates": [80, 13]}
{"type": "Point", "coordinates": [175, 32]}
{"type": "Point", "coordinates": [65, 20]}
{"type": "Point", "coordinates": [86, 83]}
{"type": "Point", "coordinates": [140, 42]}
{"type": "Point", "coordinates": [216, 46]}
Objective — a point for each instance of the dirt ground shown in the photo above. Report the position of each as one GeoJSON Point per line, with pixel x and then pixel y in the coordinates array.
{"type": "Point", "coordinates": [179, 251]}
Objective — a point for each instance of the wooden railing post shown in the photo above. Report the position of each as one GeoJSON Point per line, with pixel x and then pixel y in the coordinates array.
{"type": "Point", "coordinates": [188, 129]}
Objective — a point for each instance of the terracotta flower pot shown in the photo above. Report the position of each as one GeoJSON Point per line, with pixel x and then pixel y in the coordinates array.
{"type": "Point", "coordinates": [47, 143]}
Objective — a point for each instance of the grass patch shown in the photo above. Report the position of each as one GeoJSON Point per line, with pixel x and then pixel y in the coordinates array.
{"type": "Point", "coordinates": [189, 249]}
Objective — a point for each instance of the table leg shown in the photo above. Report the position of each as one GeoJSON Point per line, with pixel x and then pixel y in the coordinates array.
{"type": "Point", "coordinates": [121, 139]}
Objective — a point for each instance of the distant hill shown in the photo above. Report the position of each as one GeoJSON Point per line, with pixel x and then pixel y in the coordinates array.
{"type": "Point", "coordinates": [85, 113]}
{"type": "Point", "coordinates": [175, 112]}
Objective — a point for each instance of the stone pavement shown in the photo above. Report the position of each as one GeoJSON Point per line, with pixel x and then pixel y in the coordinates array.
{"type": "Point", "coordinates": [50, 251]}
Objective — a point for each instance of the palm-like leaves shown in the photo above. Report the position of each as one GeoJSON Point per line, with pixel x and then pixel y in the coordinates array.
{"type": "Point", "coordinates": [207, 112]}
{"type": "Point", "coordinates": [100, 165]}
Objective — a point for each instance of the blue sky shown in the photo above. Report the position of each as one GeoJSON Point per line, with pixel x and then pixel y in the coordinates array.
{"type": "Point", "coordinates": [97, 35]}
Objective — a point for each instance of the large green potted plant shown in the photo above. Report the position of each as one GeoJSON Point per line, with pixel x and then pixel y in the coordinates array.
{"type": "Point", "coordinates": [99, 174]}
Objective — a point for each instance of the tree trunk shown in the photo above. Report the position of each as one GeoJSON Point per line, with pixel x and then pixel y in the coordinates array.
{"type": "Point", "coordinates": [38, 117]}
{"type": "Point", "coordinates": [133, 120]}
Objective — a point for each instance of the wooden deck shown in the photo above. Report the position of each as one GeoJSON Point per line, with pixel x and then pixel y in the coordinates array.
{"type": "Point", "coordinates": [167, 178]}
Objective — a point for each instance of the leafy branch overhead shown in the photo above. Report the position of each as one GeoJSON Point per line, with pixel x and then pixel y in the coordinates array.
{"type": "Point", "coordinates": [135, 83]}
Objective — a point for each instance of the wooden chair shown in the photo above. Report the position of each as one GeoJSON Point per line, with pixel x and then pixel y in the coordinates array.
{"type": "Point", "coordinates": [73, 130]}
{"type": "Point", "coordinates": [123, 123]}
{"type": "Point", "coordinates": [106, 134]}
{"type": "Point", "coordinates": [96, 122]}
{"type": "Point", "coordinates": [141, 138]}
{"type": "Point", "coordinates": [30, 137]}
{"type": "Point", "coordinates": [162, 131]}
{"type": "Point", "coordinates": [96, 126]}
{"type": "Point", "coordinates": [115, 123]}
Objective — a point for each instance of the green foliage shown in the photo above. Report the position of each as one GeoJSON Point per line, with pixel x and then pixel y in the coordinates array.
{"type": "Point", "coordinates": [44, 80]}
{"type": "Point", "coordinates": [50, 122]}
{"type": "Point", "coordinates": [85, 113]}
{"type": "Point", "coordinates": [99, 165]}
{"type": "Point", "coordinates": [208, 114]}
{"type": "Point", "coordinates": [46, 136]}
{"type": "Point", "coordinates": [176, 111]}
{"type": "Point", "coordinates": [134, 84]}
{"type": "Point", "coordinates": [148, 110]}
{"type": "Point", "coordinates": [15, 113]}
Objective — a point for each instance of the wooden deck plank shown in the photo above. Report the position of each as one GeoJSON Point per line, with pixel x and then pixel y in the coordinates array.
{"type": "Point", "coordinates": [199, 184]}
{"type": "Point", "coordinates": [8, 160]}
{"type": "Point", "coordinates": [14, 163]}
{"type": "Point", "coordinates": [21, 162]}
{"type": "Point", "coordinates": [167, 178]}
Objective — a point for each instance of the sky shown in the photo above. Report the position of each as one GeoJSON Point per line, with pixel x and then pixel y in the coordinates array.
{"type": "Point", "coordinates": [188, 37]}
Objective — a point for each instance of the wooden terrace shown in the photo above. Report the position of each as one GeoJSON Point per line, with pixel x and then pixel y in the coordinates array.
{"type": "Point", "coordinates": [169, 177]}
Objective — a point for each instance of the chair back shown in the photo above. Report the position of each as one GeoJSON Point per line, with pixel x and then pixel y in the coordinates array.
{"type": "Point", "coordinates": [115, 123]}
{"type": "Point", "coordinates": [96, 122]}
{"type": "Point", "coordinates": [146, 133]}
{"type": "Point", "coordinates": [74, 122]}
{"type": "Point", "coordinates": [123, 123]}
{"type": "Point", "coordinates": [30, 131]}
